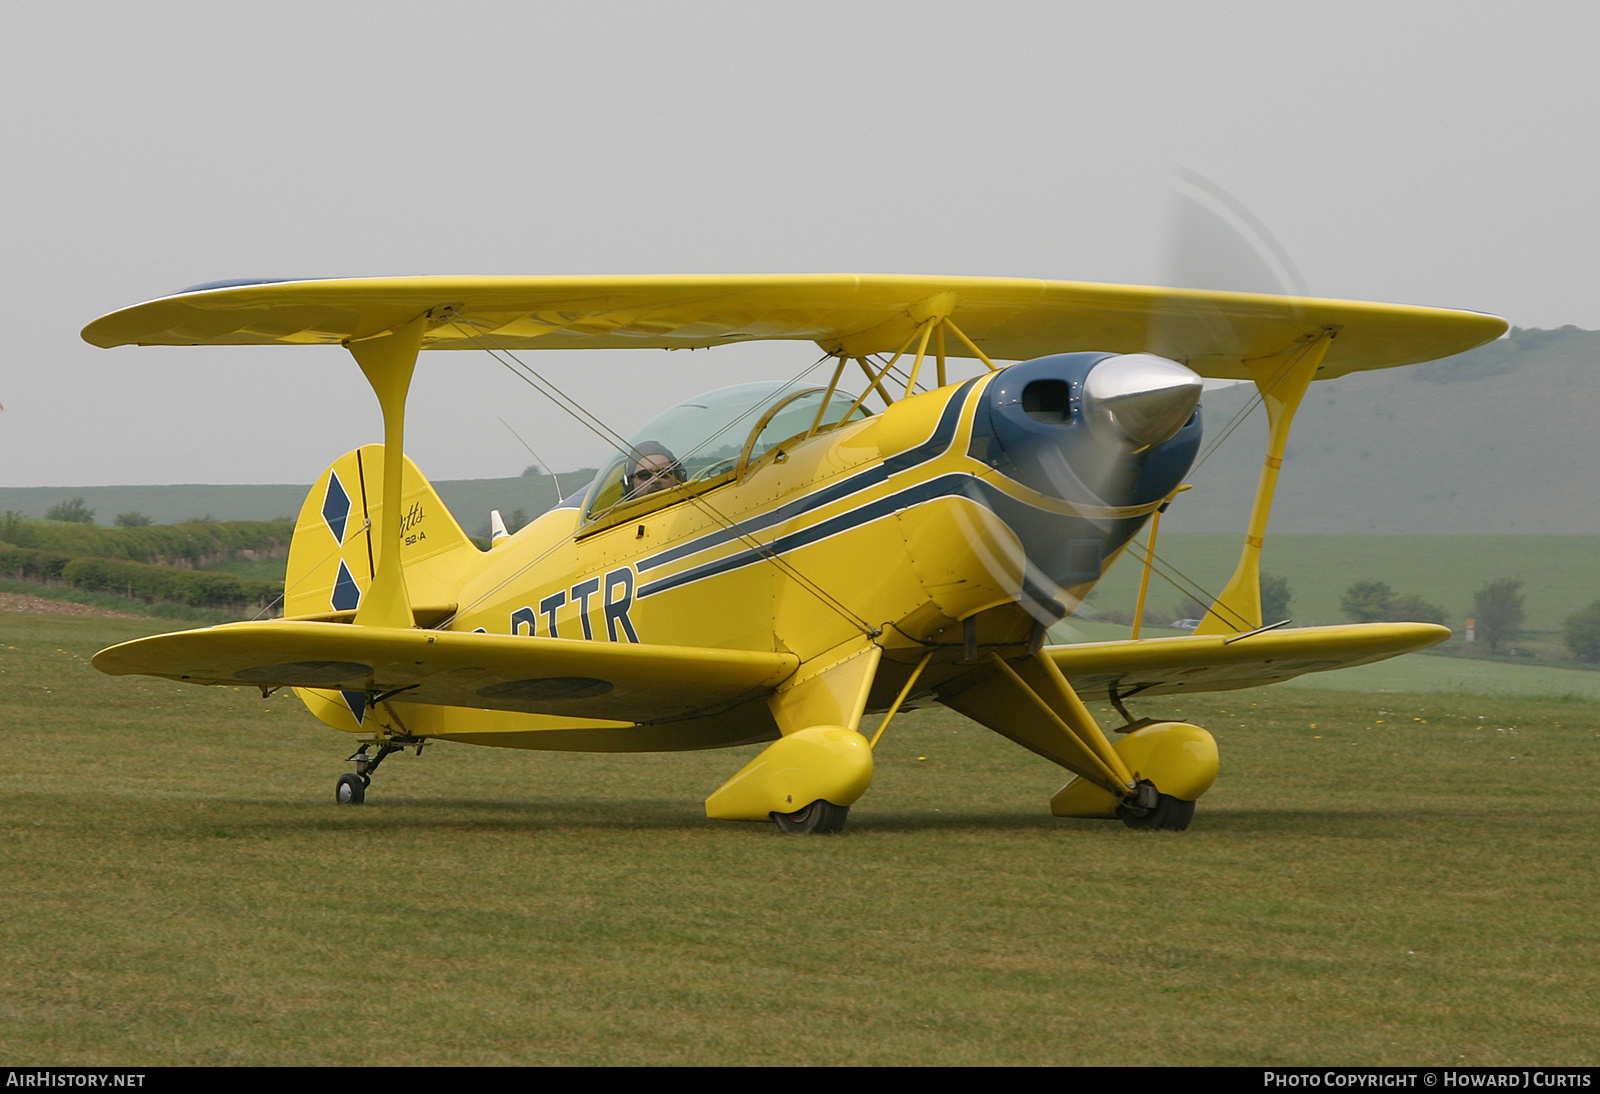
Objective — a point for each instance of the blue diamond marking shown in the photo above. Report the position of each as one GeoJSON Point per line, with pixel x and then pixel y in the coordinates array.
{"type": "Point", "coordinates": [336, 507]}
{"type": "Point", "coordinates": [357, 702]}
{"type": "Point", "coordinates": [346, 593]}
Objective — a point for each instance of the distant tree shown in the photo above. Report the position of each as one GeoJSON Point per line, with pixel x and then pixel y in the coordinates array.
{"type": "Point", "coordinates": [134, 519]}
{"type": "Point", "coordinates": [1190, 608]}
{"type": "Point", "coordinates": [1497, 607]}
{"type": "Point", "coordinates": [1275, 597]}
{"type": "Point", "coordinates": [531, 470]}
{"type": "Point", "coordinates": [1367, 601]}
{"type": "Point", "coordinates": [1375, 602]}
{"type": "Point", "coordinates": [1581, 631]}
{"type": "Point", "coordinates": [74, 511]}
{"type": "Point", "coordinates": [1413, 609]}
{"type": "Point", "coordinates": [519, 517]}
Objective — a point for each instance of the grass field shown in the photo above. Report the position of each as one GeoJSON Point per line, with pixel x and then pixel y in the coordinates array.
{"type": "Point", "coordinates": [1383, 879]}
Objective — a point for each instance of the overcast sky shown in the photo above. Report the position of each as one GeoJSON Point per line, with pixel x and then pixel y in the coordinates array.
{"type": "Point", "coordinates": [1427, 153]}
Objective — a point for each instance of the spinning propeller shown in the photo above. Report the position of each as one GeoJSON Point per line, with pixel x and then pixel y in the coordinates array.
{"type": "Point", "coordinates": [1134, 402]}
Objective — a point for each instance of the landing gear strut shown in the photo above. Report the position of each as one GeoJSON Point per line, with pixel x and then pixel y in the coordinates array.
{"type": "Point", "coordinates": [352, 789]}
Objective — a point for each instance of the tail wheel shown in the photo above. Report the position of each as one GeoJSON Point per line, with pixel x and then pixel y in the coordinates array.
{"type": "Point", "coordinates": [818, 817]}
{"type": "Point", "coordinates": [1171, 814]}
{"type": "Point", "coordinates": [352, 790]}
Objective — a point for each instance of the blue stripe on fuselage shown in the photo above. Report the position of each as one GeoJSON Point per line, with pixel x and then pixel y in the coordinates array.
{"type": "Point", "coordinates": [936, 445]}
{"type": "Point", "coordinates": [1036, 523]}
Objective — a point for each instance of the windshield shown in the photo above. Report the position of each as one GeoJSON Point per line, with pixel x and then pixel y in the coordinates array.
{"type": "Point", "coordinates": [707, 436]}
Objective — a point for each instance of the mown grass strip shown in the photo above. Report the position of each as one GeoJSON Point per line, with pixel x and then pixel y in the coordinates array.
{"type": "Point", "coordinates": [1384, 880]}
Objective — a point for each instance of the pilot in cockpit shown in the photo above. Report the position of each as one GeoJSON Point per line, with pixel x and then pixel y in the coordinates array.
{"type": "Point", "coordinates": [652, 469]}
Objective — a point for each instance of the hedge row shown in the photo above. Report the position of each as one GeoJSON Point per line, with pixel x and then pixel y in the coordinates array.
{"type": "Point", "coordinates": [193, 541]}
{"type": "Point", "coordinates": [197, 588]}
{"type": "Point", "coordinates": [31, 565]}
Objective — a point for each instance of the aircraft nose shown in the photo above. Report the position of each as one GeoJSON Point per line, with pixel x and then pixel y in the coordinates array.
{"type": "Point", "coordinates": [1148, 398]}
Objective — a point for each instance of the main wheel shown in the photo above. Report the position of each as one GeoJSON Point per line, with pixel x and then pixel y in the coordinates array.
{"type": "Point", "coordinates": [351, 790]}
{"type": "Point", "coordinates": [1172, 814]}
{"type": "Point", "coordinates": [819, 817]}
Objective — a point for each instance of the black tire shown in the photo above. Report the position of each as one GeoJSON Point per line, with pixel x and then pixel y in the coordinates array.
{"type": "Point", "coordinates": [350, 790]}
{"type": "Point", "coordinates": [819, 818]}
{"type": "Point", "coordinates": [1170, 814]}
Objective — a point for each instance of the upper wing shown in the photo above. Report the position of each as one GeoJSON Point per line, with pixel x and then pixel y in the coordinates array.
{"type": "Point", "coordinates": [614, 680]}
{"type": "Point", "coordinates": [1161, 666]}
{"type": "Point", "coordinates": [1009, 318]}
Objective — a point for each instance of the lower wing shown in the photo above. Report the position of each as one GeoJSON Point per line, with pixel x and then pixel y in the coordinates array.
{"type": "Point", "coordinates": [1163, 666]}
{"type": "Point", "coordinates": [563, 676]}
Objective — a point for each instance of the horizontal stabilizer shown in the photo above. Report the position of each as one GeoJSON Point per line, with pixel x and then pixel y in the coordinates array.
{"type": "Point", "coordinates": [613, 680]}
{"type": "Point", "coordinates": [1163, 666]}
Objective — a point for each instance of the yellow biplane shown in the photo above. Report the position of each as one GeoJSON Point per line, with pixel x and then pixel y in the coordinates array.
{"type": "Point", "coordinates": [776, 562]}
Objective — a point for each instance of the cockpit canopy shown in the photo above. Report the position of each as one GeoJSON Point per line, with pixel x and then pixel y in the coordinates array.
{"type": "Point", "coordinates": [710, 438]}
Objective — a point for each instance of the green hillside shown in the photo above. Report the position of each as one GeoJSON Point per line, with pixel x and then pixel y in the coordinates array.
{"type": "Point", "coordinates": [1499, 441]}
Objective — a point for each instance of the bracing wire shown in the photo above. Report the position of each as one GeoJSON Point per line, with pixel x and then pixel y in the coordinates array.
{"type": "Point", "coordinates": [1183, 582]}
{"type": "Point", "coordinates": [1155, 561]}
{"type": "Point", "coordinates": [536, 458]}
{"type": "Point", "coordinates": [529, 375]}
{"type": "Point", "coordinates": [899, 373]}
{"type": "Point", "coordinates": [1227, 431]}
{"type": "Point", "coordinates": [1258, 399]}
{"type": "Point", "coordinates": [519, 368]}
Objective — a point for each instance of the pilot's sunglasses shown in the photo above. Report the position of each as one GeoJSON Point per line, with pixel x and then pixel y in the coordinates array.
{"type": "Point", "coordinates": [645, 474]}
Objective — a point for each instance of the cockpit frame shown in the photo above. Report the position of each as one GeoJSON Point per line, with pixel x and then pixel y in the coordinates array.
{"type": "Point", "coordinates": [751, 459]}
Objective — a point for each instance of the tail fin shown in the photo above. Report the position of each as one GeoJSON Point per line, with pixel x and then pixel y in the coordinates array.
{"type": "Point", "coordinates": [333, 554]}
